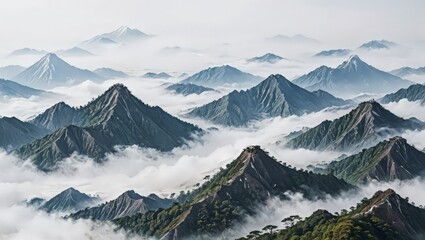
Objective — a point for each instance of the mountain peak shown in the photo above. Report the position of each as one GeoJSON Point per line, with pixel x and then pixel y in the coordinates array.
{"type": "Point", "coordinates": [51, 58]}
{"type": "Point", "coordinates": [221, 75]}
{"type": "Point", "coordinates": [351, 77]}
{"type": "Point", "coordinates": [226, 67]}
{"type": "Point", "coordinates": [71, 189]}
{"type": "Point", "coordinates": [274, 96]}
{"type": "Point", "coordinates": [123, 29]}
{"type": "Point", "coordinates": [389, 160]}
{"type": "Point", "coordinates": [118, 87]}
{"type": "Point", "coordinates": [118, 90]}
{"type": "Point", "coordinates": [354, 63]}
{"type": "Point", "coordinates": [354, 58]}
{"type": "Point", "coordinates": [55, 117]}
{"type": "Point", "coordinates": [69, 199]}
{"type": "Point", "coordinates": [362, 127]}
{"type": "Point", "coordinates": [371, 106]}
{"type": "Point", "coordinates": [266, 58]}
{"type": "Point", "coordinates": [51, 71]}
{"type": "Point", "coordinates": [131, 194]}
{"type": "Point", "coordinates": [397, 212]}
{"type": "Point", "coordinates": [378, 44]}
{"type": "Point", "coordinates": [278, 80]}
{"type": "Point", "coordinates": [381, 199]}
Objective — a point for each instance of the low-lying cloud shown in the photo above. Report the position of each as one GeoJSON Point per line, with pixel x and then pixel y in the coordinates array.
{"type": "Point", "coordinates": [149, 171]}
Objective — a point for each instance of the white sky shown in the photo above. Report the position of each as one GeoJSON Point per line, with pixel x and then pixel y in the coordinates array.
{"type": "Point", "coordinates": [52, 24]}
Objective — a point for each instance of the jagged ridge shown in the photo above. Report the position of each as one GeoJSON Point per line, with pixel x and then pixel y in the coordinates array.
{"type": "Point", "coordinates": [363, 127]}
{"type": "Point", "coordinates": [275, 96]}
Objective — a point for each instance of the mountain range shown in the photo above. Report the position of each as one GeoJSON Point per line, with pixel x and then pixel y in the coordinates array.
{"type": "Point", "coordinates": [161, 75]}
{"type": "Point", "coordinates": [295, 39]}
{"type": "Point", "coordinates": [15, 133]}
{"type": "Point", "coordinates": [352, 77]}
{"type": "Point", "coordinates": [266, 58]}
{"type": "Point", "coordinates": [114, 118]}
{"type": "Point", "coordinates": [188, 88]}
{"type": "Point", "coordinates": [27, 51]}
{"type": "Point", "coordinates": [68, 200]}
{"type": "Point", "coordinates": [413, 93]}
{"type": "Point", "coordinates": [362, 127]}
{"type": "Point", "coordinates": [334, 53]}
{"type": "Point", "coordinates": [12, 89]}
{"type": "Point", "coordinates": [222, 75]}
{"type": "Point", "coordinates": [387, 161]}
{"type": "Point", "coordinates": [121, 35]}
{"type": "Point", "coordinates": [109, 73]}
{"type": "Point", "coordinates": [51, 71]}
{"type": "Point", "coordinates": [74, 52]}
{"type": "Point", "coordinates": [8, 72]}
{"type": "Point", "coordinates": [127, 204]}
{"type": "Point", "coordinates": [384, 216]}
{"type": "Point", "coordinates": [377, 45]}
{"type": "Point", "coordinates": [408, 71]}
{"type": "Point", "coordinates": [231, 194]}
{"type": "Point", "coordinates": [273, 97]}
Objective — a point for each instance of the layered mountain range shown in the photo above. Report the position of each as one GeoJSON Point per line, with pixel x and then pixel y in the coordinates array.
{"type": "Point", "coordinates": [222, 75]}
{"type": "Point", "coordinates": [273, 97]}
{"type": "Point", "coordinates": [122, 35]}
{"type": "Point", "coordinates": [362, 127]}
{"type": "Point", "coordinates": [352, 77]}
{"type": "Point", "coordinates": [26, 51]}
{"type": "Point", "coordinates": [266, 58]}
{"type": "Point", "coordinates": [408, 71]}
{"type": "Point", "coordinates": [74, 52]}
{"type": "Point", "coordinates": [334, 53]}
{"type": "Point", "coordinates": [230, 195]}
{"type": "Point", "coordinates": [188, 88]}
{"type": "Point", "coordinates": [378, 45]}
{"type": "Point", "coordinates": [114, 118]}
{"type": "Point", "coordinates": [109, 73]}
{"type": "Point", "coordinates": [161, 75]}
